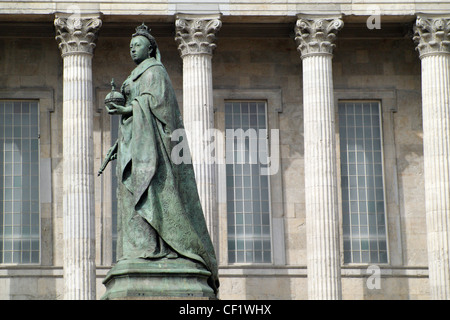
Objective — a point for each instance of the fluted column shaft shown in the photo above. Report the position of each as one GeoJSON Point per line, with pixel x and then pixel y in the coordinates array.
{"type": "Point", "coordinates": [198, 117]}
{"type": "Point", "coordinates": [195, 36]}
{"type": "Point", "coordinates": [79, 236]}
{"type": "Point", "coordinates": [78, 170]}
{"type": "Point", "coordinates": [432, 35]}
{"type": "Point", "coordinates": [315, 39]}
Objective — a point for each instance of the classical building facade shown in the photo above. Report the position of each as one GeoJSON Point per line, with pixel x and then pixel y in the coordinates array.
{"type": "Point", "coordinates": [319, 136]}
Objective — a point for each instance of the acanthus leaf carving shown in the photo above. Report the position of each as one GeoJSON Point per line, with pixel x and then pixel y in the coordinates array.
{"type": "Point", "coordinates": [316, 35]}
{"type": "Point", "coordinates": [76, 34]}
{"type": "Point", "coordinates": [432, 35]}
{"type": "Point", "coordinates": [196, 35]}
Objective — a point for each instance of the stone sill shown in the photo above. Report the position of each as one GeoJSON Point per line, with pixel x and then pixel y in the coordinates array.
{"type": "Point", "coordinates": [348, 271]}
{"type": "Point", "coordinates": [355, 271]}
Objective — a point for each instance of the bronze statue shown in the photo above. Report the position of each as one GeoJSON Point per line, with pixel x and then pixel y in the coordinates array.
{"type": "Point", "coordinates": [160, 217]}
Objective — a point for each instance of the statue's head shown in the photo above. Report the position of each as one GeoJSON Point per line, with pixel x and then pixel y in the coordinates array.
{"type": "Point", "coordinates": [142, 45]}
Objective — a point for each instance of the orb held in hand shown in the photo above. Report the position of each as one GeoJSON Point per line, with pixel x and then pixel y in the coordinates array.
{"type": "Point", "coordinates": [114, 96]}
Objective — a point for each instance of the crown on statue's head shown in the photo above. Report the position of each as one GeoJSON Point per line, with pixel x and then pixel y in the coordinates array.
{"type": "Point", "coordinates": [144, 31]}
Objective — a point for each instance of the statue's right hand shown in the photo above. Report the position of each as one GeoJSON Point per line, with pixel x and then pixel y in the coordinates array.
{"type": "Point", "coordinates": [118, 109]}
{"type": "Point", "coordinates": [111, 106]}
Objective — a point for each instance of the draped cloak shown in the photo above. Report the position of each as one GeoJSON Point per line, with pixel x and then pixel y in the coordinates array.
{"type": "Point", "coordinates": [160, 214]}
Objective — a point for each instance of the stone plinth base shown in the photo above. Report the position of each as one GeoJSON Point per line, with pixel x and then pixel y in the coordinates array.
{"type": "Point", "coordinates": [157, 280]}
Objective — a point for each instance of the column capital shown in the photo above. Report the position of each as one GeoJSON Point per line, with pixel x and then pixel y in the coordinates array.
{"type": "Point", "coordinates": [432, 34]}
{"type": "Point", "coordinates": [315, 35]}
{"type": "Point", "coordinates": [195, 34]}
{"type": "Point", "coordinates": [76, 33]}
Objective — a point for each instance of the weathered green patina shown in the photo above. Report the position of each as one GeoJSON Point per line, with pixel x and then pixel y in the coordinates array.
{"type": "Point", "coordinates": [160, 218]}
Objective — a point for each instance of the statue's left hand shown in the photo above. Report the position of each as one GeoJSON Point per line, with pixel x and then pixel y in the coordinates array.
{"type": "Point", "coordinates": [114, 108]}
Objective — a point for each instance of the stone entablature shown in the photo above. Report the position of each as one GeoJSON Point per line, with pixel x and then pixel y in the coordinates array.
{"type": "Point", "coordinates": [257, 8]}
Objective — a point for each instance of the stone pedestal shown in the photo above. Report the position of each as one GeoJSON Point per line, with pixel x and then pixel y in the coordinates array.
{"type": "Point", "coordinates": [195, 35]}
{"type": "Point", "coordinates": [315, 37]}
{"type": "Point", "coordinates": [158, 279]}
{"type": "Point", "coordinates": [76, 36]}
{"type": "Point", "coordinates": [432, 35]}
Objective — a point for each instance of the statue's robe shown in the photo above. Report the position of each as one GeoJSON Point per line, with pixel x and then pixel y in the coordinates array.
{"type": "Point", "coordinates": [159, 211]}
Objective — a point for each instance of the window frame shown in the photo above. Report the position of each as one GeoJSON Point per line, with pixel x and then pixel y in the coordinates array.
{"type": "Point", "coordinates": [236, 237]}
{"type": "Point", "coordinates": [383, 182]}
{"type": "Point", "coordinates": [46, 106]}
{"type": "Point", "coordinates": [387, 97]}
{"type": "Point", "coordinates": [273, 100]}
{"type": "Point", "coordinates": [12, 214]}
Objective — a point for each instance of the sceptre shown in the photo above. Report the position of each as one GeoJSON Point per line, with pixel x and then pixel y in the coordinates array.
{"type": "Point", "coordinates": [116, 97]}
{"type": "Point", "coordinates": [111, 155]}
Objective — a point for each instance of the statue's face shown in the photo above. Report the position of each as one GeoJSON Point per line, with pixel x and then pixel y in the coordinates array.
{"type": "Point", "coordinates": [139, 49]}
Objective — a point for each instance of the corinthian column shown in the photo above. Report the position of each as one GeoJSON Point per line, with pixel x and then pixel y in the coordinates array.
{"type": "Point", "coordinates": [315, 37]}
{"type": "Point", "coordinates": [76, 36]}
{"type": "Point", "coordinates": [433, 43]}
{"type": "Point", "coordinates": [195, 35]}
